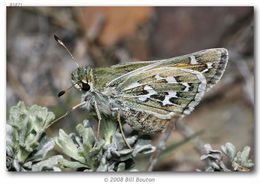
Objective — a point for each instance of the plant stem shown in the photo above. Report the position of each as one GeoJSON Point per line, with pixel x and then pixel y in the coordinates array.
{"type": "Point", "coordinates": [161, 145]}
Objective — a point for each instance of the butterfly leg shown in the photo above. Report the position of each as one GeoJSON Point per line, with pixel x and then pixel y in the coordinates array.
{"type": "Point", "coordinates": [121, 129]}
{"type": "Point", "coordinates": [99, 121]}
{"type": "Point", "coordinates": [67, 113]}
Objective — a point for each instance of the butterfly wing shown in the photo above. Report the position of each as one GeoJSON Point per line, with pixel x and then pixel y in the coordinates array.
{"type": "Point", "coordinates": [163, 91]}
{"type": "Point", "coordinates": [159, 90]}
{"type": "Point", "coordinates": [210, 62]}
{"type": "Point", "coordinates": [167, 87]}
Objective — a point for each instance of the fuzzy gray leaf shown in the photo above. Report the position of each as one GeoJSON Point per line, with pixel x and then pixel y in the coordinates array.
{"type": "Point", "coordinates": [109, 128]}
{"type": "Point", "coordinates": [28, 125]}
{"type": "Point", "coordinates": [48, 164]}
{"type": "Point", "coordinates": [143, 146]}
{"type": "Point", "coordinates": [242, 160]}
{"type": "Point", "coordinates": [229, 150]}
{"type": "Point", "coordinates": [46, 145]}
{"type": "Point", "coordinates": [68, 147]}
{"type": "Point", "coordinates": [72, 164]}
{"type": "Point", "coordinates": [121, 167]}
{"type": "Point", "coordinates": [87, 135]}
{"type": "Point", "coordinates": [9, 140]}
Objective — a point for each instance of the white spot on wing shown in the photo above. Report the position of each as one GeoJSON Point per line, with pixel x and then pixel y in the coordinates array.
{"type": "Point", "coordinates": [193, 60]}
{"type": "Point", "coordinates": [150, 91]}
{"type": "Point", "coordinates": [133, 85]}
{"type": "Point", "coordinates": [187, 86]}
{"type": "Point", "coordinates": [158, 77]}
{"type": "Point", "coordinates": [166, 101]}
{"type": "Point", "coordinates": [209, 65]}
{"type": "Point", "coordinates": [169, 79]}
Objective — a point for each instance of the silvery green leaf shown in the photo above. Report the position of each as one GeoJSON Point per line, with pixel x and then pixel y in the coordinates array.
{"type": "Point", "coordinates": [87, 135]}
{"type": "Point", "coordinates": [143, 146]}
{"type": "Point", "coordinates": [21, 154]}
{"type": "Point", "coordinates": [88, 170]}
{"type": "Point", "coordinates": [214, 165]}
{"type": "Point", "coordinates": [245, 154]}
{"type": "Point", "coordinates": [77, 140]}
{"type": "Point", "coordinates": [103, 166]}
{"type": "Point", "coordinates": [47, 164]}
{"type": "Point", "coordinates": [46, 145]}
{"type": "Point", "coordinates": [72, 164]}
{"type": "Point", "coordinates": [40, 117]}
{"type": "Point", "coordinates": [28, 125]}
{"type": "Point", "coordinates": [109, 128]}
{"type": "Point", "coordinates": [209, 169]}
{"type": "Point", "coordinates": [17, 165]}
{"type": "Point", "coordinates": [95, 150]}
{"type": "Point", "coordinates": [92, 154]}
{"type": "Point", "coordinates": [9, 140]}
{"type": "Point", "coordinates": [203, 157]}
{"type": "Point", "coordinates": [131, 140]}
{"type": "Point", "coordinates": [119, 142]}
{"type": "Point", "coordinates": [56, 169]}
{"type": "Point", "coordinates": [230, 150]}
{"type": "Point", "coordinates": [242, 158]}
{"type": "Point", "coordinates": [28, 165]}
{"type": "Point", "coordinates": [68, 147]}
{"type": "Point", "coordinates": [111, 167]}
{"type": "Point", "coordinates": [125, 154]}
{"type": "Point", "coordinates": [121, 167]}
{"type": "Point", "coordinates": [145, 149]}
{"type": "Point", "coordinates": [18, 116]}
{"type": "Point", "coordinates": [115, 154]}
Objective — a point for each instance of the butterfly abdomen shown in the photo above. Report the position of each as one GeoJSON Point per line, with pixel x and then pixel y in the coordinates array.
{"type": "Point", "coordinates": [144, 123]}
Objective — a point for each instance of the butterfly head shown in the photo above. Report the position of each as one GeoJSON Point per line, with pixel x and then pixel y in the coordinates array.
{"type": "Point", "coordinates": [79, 76]}
{"type": "Point", "coordinates": [80, 79]}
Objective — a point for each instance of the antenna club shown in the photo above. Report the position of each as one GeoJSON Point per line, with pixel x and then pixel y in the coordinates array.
{"type": "Point", "coordinates": [64, 46]}
{"type": "Point", "coordinates": [61, 93]}
{"type": "Point", "coordinates": [57, 38]}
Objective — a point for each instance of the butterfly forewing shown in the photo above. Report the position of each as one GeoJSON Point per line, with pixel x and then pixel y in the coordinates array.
{"type": "Point", "coordinates": [210, 62]}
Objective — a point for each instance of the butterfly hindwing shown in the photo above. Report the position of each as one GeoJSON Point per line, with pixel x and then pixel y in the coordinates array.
{"type": "Point", "coordinates": [163, 92]}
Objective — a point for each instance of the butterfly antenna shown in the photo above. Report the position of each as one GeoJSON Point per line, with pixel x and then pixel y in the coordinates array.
{"type": "Point", "coordinates": [64, 91]}
{"type": "Point", "coordinates": [64, 46]}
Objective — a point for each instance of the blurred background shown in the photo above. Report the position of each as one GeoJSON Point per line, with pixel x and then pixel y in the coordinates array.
{"type": "Point", "coordinates": [38, 67]}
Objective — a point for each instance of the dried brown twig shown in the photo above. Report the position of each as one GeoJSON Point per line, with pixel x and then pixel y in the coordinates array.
{"type": "Point", "coordinates": [161, 145]}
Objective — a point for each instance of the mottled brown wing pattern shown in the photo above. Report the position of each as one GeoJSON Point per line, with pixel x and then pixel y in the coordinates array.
{"type": "Point", "coordinates": [159, 90]}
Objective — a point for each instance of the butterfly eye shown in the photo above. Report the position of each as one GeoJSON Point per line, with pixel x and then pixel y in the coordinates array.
{"type": "Point", "coordinates": [85, 86]}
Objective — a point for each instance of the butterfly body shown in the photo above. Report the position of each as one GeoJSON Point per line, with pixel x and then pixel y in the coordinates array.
{"type": "Point", "coordinates": [147, 95]}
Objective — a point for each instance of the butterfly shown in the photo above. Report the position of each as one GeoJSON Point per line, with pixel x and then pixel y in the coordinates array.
{"type": "Point", "coordinates": [148, 94]}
